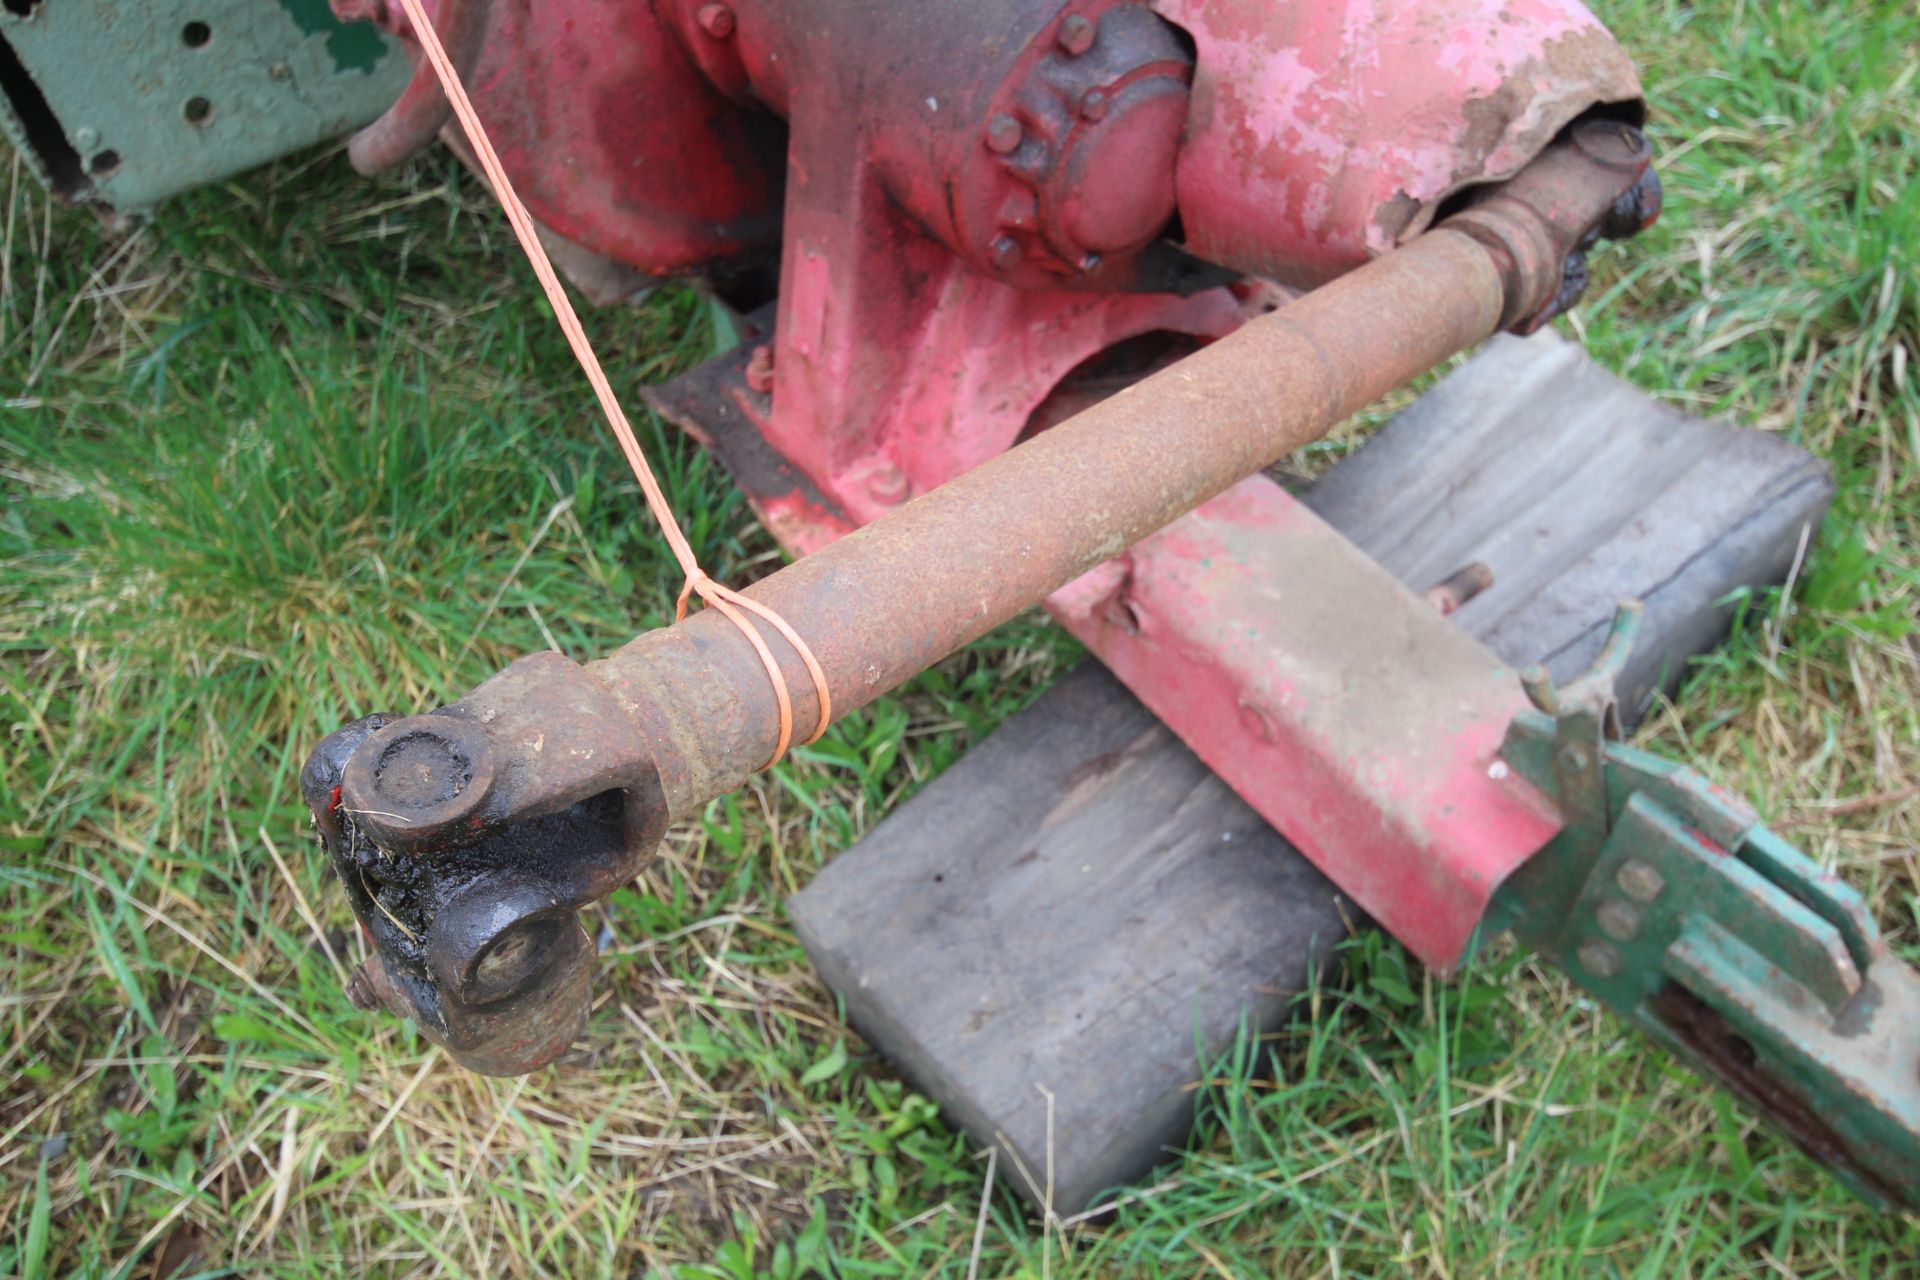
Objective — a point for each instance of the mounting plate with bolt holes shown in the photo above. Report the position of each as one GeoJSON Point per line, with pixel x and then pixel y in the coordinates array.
{"type": "Point", "coordinates": [123, 103]}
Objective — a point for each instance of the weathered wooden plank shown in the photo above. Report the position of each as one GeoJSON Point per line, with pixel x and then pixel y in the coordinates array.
{"type": "Point", "coordinates": [1042, 928]}
{"type": "Point", "coordinates": [1577, 490]}
{"type": "Point", "coordinates": [1051, 937]}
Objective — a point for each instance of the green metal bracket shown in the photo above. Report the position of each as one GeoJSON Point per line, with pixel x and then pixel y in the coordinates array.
{"type": "Point", "coordinates": [123, 103]}
{"type": "Point", "coordinates": [1668, 900]}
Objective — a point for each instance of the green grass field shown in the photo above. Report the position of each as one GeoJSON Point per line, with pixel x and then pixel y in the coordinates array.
{"type": "Point", "coordinates": [308, 447]}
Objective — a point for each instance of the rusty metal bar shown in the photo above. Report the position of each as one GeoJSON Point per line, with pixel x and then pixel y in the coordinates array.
{"type": "Point", "coordinates": [891, 599]}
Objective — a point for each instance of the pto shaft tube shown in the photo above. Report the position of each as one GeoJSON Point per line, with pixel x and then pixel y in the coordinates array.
{"type": "Point", "coordinates": [889, 600]}
{"type": "Point", "coordinates": [468, 838]}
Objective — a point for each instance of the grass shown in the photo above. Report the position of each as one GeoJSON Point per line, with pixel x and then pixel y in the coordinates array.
{"type": "Point", "coordinates": [309, 447]}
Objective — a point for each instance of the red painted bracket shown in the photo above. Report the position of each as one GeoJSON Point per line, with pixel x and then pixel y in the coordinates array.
{"type": "Point", "coordinates": [1352, 716]}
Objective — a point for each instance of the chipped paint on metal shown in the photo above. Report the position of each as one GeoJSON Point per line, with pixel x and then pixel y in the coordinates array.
{"type": "Point", "coordinates": [150, 99]}
{"type": "Point", "coordinates": [1337, 703]}
{"type": "Point", "coordinates": [1324, 134]}
{"type": "Point", "coordinates": [354, 46]}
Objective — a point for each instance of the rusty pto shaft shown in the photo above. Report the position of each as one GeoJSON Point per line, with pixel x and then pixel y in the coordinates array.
{"type": "Point", "coordinates": [888, 600]}
{"type": "Point", "coordinates": [468, 838]}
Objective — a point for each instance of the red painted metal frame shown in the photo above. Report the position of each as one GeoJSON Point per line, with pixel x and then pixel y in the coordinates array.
{"type": "Point", "coordinates": [614, 137]}
{"type": "Point", "coordinates": [1344, 709]}
{"type": "Point", "coordinates": [970, 202]}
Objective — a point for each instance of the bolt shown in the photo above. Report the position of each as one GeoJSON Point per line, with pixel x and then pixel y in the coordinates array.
{"type": "Point", "coordinates": [1259, 721]}
{"type": "Point", "coordinates": [1574, 759]}
{"type": "Point", "coordinates": [1118, 612]}
{"type": "Point", "coordinates": [1076, 34]}
{"type": "Point", "coordinates": [85, 138]}
{"type": "Point", "coordinates": [280, 71]}
{"type": "Point", "coordinates": [1639, 881]}
{"type": "Point", "coordinates": [1612, 142]}
{"type": "Point", "coordinates": [1006, 253]}
{"type": "Point", "coordinates": [1093, 104]}
{"type": "Point", "coordinates": [1618, 920]}
{"type": "Point", "coordinates": [1003, 134]}
{"type": "Point", "coordinates": [1599, 959]}
{"type": "Point", "coordinates": [760, 369]}
{"type": "Point", "coordinates": [888, 484]}
{"type": "Point", "coordinates": [1458, 587]}
{"type": "Point", "coordinates": [716, 20]}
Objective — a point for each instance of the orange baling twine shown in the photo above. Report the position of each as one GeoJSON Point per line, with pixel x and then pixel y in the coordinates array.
{"type": "Point", "coordinates": [725, 599]}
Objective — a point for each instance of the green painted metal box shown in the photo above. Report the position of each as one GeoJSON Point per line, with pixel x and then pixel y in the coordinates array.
{"type": "Point", "coordinates": [126, 102]}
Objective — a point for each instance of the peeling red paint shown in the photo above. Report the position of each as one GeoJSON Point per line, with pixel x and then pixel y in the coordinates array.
{"type": "Point", "coordinates": [1323, 134]}
{"type": "Point", "coordinates": [1335, 702]}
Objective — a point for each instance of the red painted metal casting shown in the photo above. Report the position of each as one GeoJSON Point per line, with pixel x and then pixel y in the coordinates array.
{"type": "Point", "coordinates": [613, 135]}
{"type": "Point", "coordinates": [969, 202]}
{"type": "Point", "coordinates": [1325, 133]}
{"type": "Point", "coordinates": [1368, 734]}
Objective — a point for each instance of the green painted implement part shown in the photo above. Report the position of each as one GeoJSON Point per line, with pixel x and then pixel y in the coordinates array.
{"type": "Point", "coordinates": [1670, 902]}
{"type": "Point", "coordinates": [123, 103]}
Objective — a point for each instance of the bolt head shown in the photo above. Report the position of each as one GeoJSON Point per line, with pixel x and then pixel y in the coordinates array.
{"type": "Point", "coordinates": [1094, 104]}
{"type": "Point", "coordinates": [1259, 721]}
{"type": "Point", "coordinates": [86, 138]}
{"type": "Point", "coordinates": [1618, 920]}
{"type": "Point", "coordinates": [1076, 34]}
{"type": "Point", "coordinates": [1639, 881]}
{"type": "Point", "coordinates": [1120, 614]}
{"type": "Point", "coordinates": [1599, 959]}
{"type": "Point", "coordinates": [888, 484]}
{"type": "Point", "coordinates": [1006, 253]}
{"type": "Point", "coordinates": [716, 20]}
{"type": "Point", "coordinates": [1003, 134]}
{"type": "Point", "coordinates": [760, 369]}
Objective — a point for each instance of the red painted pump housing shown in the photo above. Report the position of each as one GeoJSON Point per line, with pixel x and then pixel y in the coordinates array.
{"type": "Point", "coordinates": [968, 201]}
{"type": "Point", "coordinates": [986, 214]}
